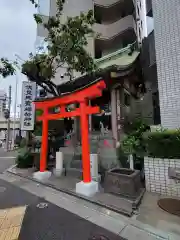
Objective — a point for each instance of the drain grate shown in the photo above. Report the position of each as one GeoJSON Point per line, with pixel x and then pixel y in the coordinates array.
{"type": "Point", "coordinates": [2, 189]}
{"type": "Point", "coordinates": [42, 205]}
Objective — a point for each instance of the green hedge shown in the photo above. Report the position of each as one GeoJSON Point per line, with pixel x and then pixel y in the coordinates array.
{"type": "Point", "coordinates": [163, 144]}
{"type": "Point", "coordinates": [24, 159]}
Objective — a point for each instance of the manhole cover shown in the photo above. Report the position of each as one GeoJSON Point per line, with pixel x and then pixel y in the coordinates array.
{"type": "Point", "coordinates": [42, 205]}
{"type": "Point", "coordinates": [170, 205]}
{"type": "Point", "coordinates": [2, 189]}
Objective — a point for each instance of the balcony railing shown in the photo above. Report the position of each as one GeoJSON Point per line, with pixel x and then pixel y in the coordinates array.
{"type": "Point", "coordinates": [108, 3]}
{"type": "Point", "coordinates": [109, 31]}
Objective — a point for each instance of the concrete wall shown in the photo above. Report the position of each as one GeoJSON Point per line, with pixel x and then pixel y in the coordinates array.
{"type": "Point", "coordinates": [156, 174]}
{"type": "Point", "coordinates": [167, 35]}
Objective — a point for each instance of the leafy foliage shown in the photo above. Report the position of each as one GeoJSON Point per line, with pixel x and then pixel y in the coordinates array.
{"type": "Point", "coordinates": [24, 159]}
{"type": "Point", "coordinates": [34, 3]}
{"type": "Point", "coordinates": [67, 42]}
{"type": "Point", "coordinates": [6, 68]}
{"type": "Point", "coordinates": [133, 143]}
{"type": "Point", "coordinates": [163, 144]}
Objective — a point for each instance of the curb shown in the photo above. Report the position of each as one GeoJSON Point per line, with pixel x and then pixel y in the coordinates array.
{"type": "Point", "coordinates": [159, 234]}
{"type": "Point", "coordinates": [78, 196]}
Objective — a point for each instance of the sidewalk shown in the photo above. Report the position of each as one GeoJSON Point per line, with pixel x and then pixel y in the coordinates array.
{"type": "Point", "coordinates": [129, 228]}
{"type": "Point", "coordinates": [10, 222]}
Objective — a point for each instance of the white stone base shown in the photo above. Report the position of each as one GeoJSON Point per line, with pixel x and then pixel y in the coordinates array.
{"type": "Point", "coordinates": [58, 172]}
{"type": "Point", "coordinates": [42, 176]}
{"type": "Point", "coordinates": [87, 189]}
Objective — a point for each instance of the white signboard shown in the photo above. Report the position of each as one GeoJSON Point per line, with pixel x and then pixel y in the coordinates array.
{"type": "Point", "coordinates": [27, 107]}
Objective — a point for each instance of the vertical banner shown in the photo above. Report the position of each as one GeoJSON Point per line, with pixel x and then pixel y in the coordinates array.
{"type": "Point", "coordinates": [27, 106]}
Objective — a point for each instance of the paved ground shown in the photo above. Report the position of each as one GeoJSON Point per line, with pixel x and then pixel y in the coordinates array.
{"type": "Point", "coordinates": [67, 217]}
{"type": "Point", "coordinates": [49, 222]}
{"type": "Point", "coordinates": [11, 220]}
{"type": "Point", "coordinates": [150, 213]}
{"type": "Point", "coordinates": [7, 159]}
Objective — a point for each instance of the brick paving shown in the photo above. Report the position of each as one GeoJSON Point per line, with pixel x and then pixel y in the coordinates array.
{"type": "Point", "coordinates": [10, 222]}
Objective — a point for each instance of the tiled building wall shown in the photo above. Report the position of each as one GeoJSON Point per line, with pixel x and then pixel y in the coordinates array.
{"type": "Point", "coordinates": [167, 43]}
{"type": "Point", "coordinates": [157, 179]}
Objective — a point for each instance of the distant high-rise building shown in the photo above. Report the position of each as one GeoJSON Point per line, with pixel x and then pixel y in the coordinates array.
{"type": "Point", "coordinates": [3, 98]}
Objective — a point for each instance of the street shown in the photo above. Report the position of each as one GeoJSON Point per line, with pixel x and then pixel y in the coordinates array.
{"type": "Point", "coordinates": [44, 220]}
{"type": "Point", "coordinates": [7, 159]}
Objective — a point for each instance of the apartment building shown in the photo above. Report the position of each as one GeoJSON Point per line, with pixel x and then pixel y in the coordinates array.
{"type": "Point", "coordinates": [118, 23]}
{"type": "Point", "coordinates": [167, 34]}
{"type": "Point", "coordinates": [3, 99]}
{"type": "Point", "coordinates": [162, 64]}
{"type": "Point", "coordinates": [120, 26]}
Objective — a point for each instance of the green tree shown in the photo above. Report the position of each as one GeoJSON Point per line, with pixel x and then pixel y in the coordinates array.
{"type": "Point", "coordinates": [66, 44]}
{"type": "Point", "coordinates": [6, 68]}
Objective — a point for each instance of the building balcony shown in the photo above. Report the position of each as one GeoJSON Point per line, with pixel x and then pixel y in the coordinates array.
{"type": "Point", "coordinates": [109, 3]}
{"type": "Point", "coordinates": [122, 58]}
{"type": "Point", "coordinates": [110, 31]}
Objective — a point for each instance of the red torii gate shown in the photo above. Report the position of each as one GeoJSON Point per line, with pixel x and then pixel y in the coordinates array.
{"type": "Point", "coordinates": [82, 96]}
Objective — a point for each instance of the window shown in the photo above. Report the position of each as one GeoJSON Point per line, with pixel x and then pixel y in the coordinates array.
{"type": "Point", "coordinates": [44, 7]}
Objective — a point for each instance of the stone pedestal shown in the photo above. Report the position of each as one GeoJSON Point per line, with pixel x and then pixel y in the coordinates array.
{"type": "Point", "coordinates": [42, 176]}
{"type": "Point", "coordinates": [87, 189]}
{"type": "Point", "coordinates": [59, 164]}
{"type": "Point", "coordinates": [131, 162]}
{"type": "Point", "coordinates": [94, 167]}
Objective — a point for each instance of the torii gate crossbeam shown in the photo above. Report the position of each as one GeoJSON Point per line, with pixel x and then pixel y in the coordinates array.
{"type": "Point", "coordinates": [82, 97]}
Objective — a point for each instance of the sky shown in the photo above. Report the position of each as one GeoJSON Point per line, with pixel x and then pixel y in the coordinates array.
{"type": "Point", "coordinates": [17, 36]}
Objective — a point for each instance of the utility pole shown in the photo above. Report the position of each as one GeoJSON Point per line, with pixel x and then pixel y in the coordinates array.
{"type": "Point", "coordinates": [8, 119]}
{"type": "Point", "coordinates": [14, 121]}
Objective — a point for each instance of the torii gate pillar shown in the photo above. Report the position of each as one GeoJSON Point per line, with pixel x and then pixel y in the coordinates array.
{"type": "Point", "coordinates": [86, 187]}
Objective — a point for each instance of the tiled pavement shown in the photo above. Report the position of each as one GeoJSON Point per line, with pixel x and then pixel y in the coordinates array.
{"type": "Point", "coordinates": [10, 222]}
